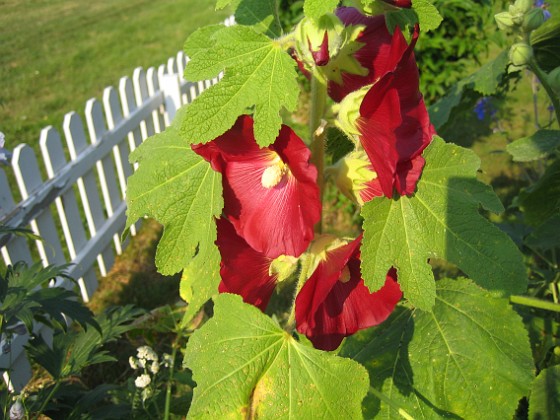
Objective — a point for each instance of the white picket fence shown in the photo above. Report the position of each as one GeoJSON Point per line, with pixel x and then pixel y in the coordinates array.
{"type": "Point", "coordinates": [81, 207]}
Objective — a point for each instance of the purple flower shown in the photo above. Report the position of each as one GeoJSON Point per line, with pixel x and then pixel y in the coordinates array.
{"type": "Point", "coordinates": [484, 107]}
{"type": "Point", "coordinates": [543, 5]}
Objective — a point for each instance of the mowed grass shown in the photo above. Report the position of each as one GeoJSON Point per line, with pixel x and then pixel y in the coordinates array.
{"type": "Point", "coordinates": [56, 54]}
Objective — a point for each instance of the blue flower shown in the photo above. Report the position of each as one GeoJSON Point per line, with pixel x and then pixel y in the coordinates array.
{"type": "Point", "coordinates": [483, 107]}
{"type": "Point", "coordinates": [543, 5]}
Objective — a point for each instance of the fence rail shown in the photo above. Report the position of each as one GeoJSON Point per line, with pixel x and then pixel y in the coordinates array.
{"type": "Point", "coordinates": [79, 211]}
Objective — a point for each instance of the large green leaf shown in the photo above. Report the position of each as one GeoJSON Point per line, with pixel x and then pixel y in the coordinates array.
{"type": "Point", "coordinates": [247, 367]}
{"type": "Point", "coordinates": [536, 146]}
{"type": "Point", "coordinates": [261, 15]}
{"type": "Point", "coordinates": [316, 8]}
{"type": "Point", "coordinates": [545, 45]}
{"type": "Point", "coordinates": [468, 358]}
{"type": "Point", "coordinates": [179, 189]}
{"type": "Point", "coordinates": [545, 395]}
{"type": "Point", "coordinates": [441, 220]}
{"type": "Point", "coordinates": [257, 72]}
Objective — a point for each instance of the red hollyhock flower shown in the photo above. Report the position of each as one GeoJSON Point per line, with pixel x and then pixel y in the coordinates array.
{"type": "Point", "coordinates": [394, 124]}
{"type": "Point", "coordinates": [334, 302]}
{"type": "Point", "coordinates": [270, 194]}
{"type": "Point", "coordinates": [374, 55]}
{"type": "Point", "coordinates": [244, 271]}
{"type": "Point", "coordinates": [405, 4]}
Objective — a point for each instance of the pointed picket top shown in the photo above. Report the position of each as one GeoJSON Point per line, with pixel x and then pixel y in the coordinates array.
{"type": "Point", "coordinates": [141, 95]}
{"type": "Point", "coordinates": [153, 87]}
{"type": "Point", "coordinates": [29, 180]}
{"type": "Point", "coordinates": [16, 249]}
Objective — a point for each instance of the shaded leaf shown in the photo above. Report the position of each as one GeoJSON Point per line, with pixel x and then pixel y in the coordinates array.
{"type": "Point", "coordinates": [545, 395]}
{"type": "Point", "coordinates": [542, 200]}
{"type": "Point", "coordinates": [261, 15]}
{"type": "Point", "coordinates": [468, 358]}
{"type": "Point", "coordinates": [314, 9]}
{"type": "Point", "coordinates": [440, 220]}
{"type": "Point", "coordinates": [536, 146]}
{"type": "Point", "coordinates": [546, 235]}
{"type": "Point", "coordinates": [257, 72]}
{"type": "Point", "coordinates": [246, 366]}
{"type": "Point", "coordinates": [545, 41]}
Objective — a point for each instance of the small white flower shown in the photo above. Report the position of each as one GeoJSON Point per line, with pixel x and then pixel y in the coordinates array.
{"type": "Point", "coordinates": [167, 360]}
{"type": "Point", "coordinates": [133, 362]}
{"type": "Point", "coordinates": [142, 381]}
{"type": "Point", "coordinates": [147, 353]}
{"type": "Point", "coordinates": [146, 393]}
{"type": "Point", "coordinates": [154, 367]}
{"type": "Point", "coordinates": [17, 411]}
{"type": "Point", "coordinates": [141, 363]}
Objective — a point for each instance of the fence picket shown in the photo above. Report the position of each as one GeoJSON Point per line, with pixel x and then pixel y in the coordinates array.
{"type": "Point", "coordinates": [141, 94]}
{"type": "Point", "coordinates": [105, 168]}
{"type": "Point", "coordinates": [153, 87]}
{"type": "Point", "coordinates": [87, 185]}
{"type": "Point", "coordinates": [66, 204]}
{"type": "Point", "coordinates": [28, 177]}
{"type": "Point", "coordinates": [16, 249]}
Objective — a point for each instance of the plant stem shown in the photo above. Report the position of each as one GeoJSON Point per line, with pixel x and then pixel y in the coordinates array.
{"type": "Point", "coordinates": [317, 131]}
{"type": "Point", "coordinates": [49, 397]}
{"type": "Point", "coordinates": [534, 67]}
{"type": "Point", "coordinates": [535, 303]}
{"type": "Point", "coordinates": [391, 403]}
{"type": "Point", "coordinates": [304, 272]}
{"type": "Point", "coordinates": [170, 383]}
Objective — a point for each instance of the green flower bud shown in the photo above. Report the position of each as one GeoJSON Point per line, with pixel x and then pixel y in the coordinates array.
{"type": "Point", "coordinates": [520, 54]}
{"type": "Point", "coordinates": [533, 20]}
{"type": "Point", "coordinates": [516, 14]}
{"type": "Point", "coordinates": [504, 21]}
{"type": "Point", "coordinates": [554, 80]}
{"type": "Point", "coordinates": [349, 111]}
{"type": "Point", "coordinates": [319, 41]}
{"type": "Point", "coordinates": [352, 173]}
{"type": "Point", "coordinates": [284, 266]}
{"type": "Point", "coordinates": [523, 5]}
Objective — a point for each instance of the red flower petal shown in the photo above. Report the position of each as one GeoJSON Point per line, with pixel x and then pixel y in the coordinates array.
{"type": "Point", "coordinates": [328, 309]}
{"type": "Point", "coordinates": [277, 219]}
{"type": "Point", "coordinates": [394, 123]}
{"type": "Point", "coordinates": [374, 55]}
{"type": "Point", "coordinates": [244, 271]}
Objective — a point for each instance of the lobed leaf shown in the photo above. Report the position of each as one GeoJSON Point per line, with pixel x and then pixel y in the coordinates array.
{"type": "Point", "coordinates": [246, 366]}
{"type": "Point", "coordinates": [536, 146]}
{"type": "Point", "coordinates": [441, 220]}
{"type": "Point", "coordinates": [314, 9]}
{"type": "Point", "coordinates": [545, 395]}
{"type": "Point", "coordinates": [257, 73]}
{"type": "Point", "coordinates": [468, 358]}
{"type": "Point", "coordinates": [428, 15]}
{"type": "Point", "coordinates": [179, 189]}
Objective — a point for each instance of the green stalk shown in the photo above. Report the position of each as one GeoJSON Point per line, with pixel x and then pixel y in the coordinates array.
{"type": "Point", "coordinates": [535, 68]}
{"type": "Point", "coordinates": [535, 303]}
{"type": "Point", "coordinates": [49, 397]}
{"type": "Point", "coordinates": [317, 131]}
{"type": "Point", "coordinates": [170, 383]}
{"type": "Point", "coordinates": [305, 263]}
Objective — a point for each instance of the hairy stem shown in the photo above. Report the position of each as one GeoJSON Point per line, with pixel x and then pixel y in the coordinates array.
{"type": "Point", "coordinates": [535, 68]}
{"type": "Point", "coordinates": [535, 303]}
{"type": "Point", "coordinates": [317, 131]}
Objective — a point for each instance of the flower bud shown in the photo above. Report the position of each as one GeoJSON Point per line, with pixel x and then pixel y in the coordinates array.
{"type": "Point", "coordinates": [284, 266]}
{"type": "Point", "coordinates": [349, 111]}
{"type": "Point", "coordinates": [554, 80]}
{"type": "Point", "coordinates": [504, 21]}
{"type": "Point", "coordinates": [523, 5]}
{"type": "Point", "coordinates": [516, 14]}
{"type": "Point", "coordinates": [317, 41]}
{"type": "Point", "coordinates": [520, 54]}
{"type": "Point", "coordinates": [533, 19]}
{"type": "Point", "coordinates": [352, 173]}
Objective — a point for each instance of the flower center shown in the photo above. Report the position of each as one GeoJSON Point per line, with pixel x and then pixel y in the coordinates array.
{"type": "Point", "coordinates": [345, 275]}
{"type": "Point", "coordinates": [273, 174]}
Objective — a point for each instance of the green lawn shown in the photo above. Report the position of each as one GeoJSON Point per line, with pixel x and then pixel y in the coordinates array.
{"type": "Point", "coordinates": [56, 54]}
